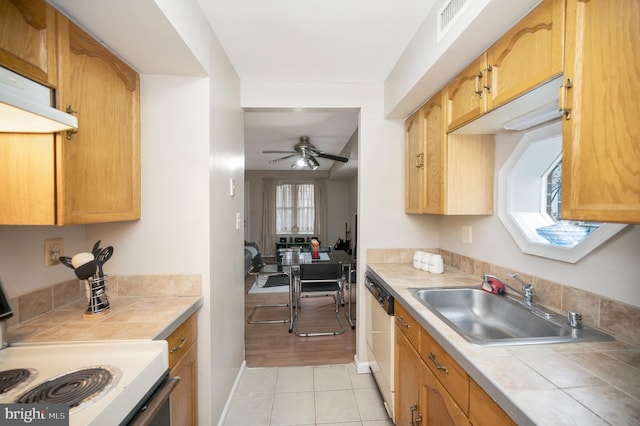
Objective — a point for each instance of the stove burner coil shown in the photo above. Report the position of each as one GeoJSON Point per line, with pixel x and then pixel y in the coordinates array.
{"type": "Point", "coordinates": [71, 388]}
{"type": "Point", "coordinates": [9, 379]}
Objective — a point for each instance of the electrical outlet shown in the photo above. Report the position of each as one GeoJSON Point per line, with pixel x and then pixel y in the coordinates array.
{"type": "Point", "coordinates": [466, 235]}
{"type": "Point", "coordinates": [53, 249]}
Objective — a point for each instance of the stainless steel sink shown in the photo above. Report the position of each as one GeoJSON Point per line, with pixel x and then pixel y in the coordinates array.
{"type": "Point", "coordinates": [486, 319]}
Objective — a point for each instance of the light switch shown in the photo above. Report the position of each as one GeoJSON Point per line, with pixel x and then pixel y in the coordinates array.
{"type": "Point", "coordinates": [238, 221]}
{"type": "Point", "coordinates": [232, 187]}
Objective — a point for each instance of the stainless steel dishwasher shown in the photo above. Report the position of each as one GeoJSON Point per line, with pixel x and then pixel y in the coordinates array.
{"type": "Point", "coordinates": [380, 339]}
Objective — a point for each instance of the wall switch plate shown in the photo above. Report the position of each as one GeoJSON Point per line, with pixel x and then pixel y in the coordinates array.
{"type": "Point", "coordinates": [232, 187]}
{"type": "Point", "coordinates": [238, 221]}
{"type": "Point", "coordinates": [466, 235]}
{"type": "Point", "coordinates": [53, 249]}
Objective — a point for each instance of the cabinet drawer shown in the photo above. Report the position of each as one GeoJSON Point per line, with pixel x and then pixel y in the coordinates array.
{"type": "Point", "coordinates": [453, 377]}
{"type": "Point", "coordinates": [407, 325]}
{"type": "Point", "coordinates": [483, 410]}
{"type": "Point", "coordinates": [182, 339]}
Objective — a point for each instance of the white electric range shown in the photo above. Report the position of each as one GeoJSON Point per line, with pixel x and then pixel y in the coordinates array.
{"type": "Point", "coordinates": [118, 376]}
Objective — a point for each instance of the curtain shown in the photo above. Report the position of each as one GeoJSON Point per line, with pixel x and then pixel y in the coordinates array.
{"type": "Point", "coordinates": [268, 243]}
{"type": "Point", "coordinates": [320, 219]}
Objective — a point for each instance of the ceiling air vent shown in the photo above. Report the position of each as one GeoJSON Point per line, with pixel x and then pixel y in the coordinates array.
{"type": "Point", "coordinates": [448, 15]}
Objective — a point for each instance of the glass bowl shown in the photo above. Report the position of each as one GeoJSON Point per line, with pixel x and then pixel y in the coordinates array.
{"type": "Point", "coordinates": [564, 233]}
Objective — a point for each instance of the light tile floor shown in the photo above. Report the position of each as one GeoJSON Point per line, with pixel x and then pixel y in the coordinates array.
{"type": "Point", "coordinates": [326, 395]}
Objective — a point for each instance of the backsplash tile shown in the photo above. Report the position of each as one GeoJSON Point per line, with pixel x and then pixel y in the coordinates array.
{"type": "Point", "coordinates": [73, 293]}
{"type": "Point", "coordinates": [34, 304]}
{"type": "Point", "coordinates": [612, 316]}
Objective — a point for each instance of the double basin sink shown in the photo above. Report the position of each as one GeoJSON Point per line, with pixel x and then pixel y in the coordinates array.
{"type": "Point", "coordinates": [487, 319]}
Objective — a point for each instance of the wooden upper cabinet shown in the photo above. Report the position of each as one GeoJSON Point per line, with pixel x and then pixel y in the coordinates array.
{"type": "Point", "coordinates": [99, 166]}
{"type": "Point", "coordinates": [601, 138]}
{"type": "Point", "coordinates": [28, 39]}
{"type": "Point", "coordinates": [446, 174]}
{"type": "Point", "coordinates": [529, 54]}
{"type": "Point", "coordinates": [465, 98]}
{"type": "Point", "coordinates": [27, 185]}
{"type": "Point", "coordinates": [414, 162]}
{"type": "Point", "coordinates": [435, 155]}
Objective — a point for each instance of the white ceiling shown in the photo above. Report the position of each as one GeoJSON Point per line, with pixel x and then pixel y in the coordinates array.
{"type": "Point", "coordinates": [340, 41]}
{"type": "Point", "coordinates": [335, 41]}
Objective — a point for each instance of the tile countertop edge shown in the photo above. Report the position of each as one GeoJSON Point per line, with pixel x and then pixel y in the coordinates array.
{"type": "Point", "coordinates": [436, 327]}
{"type": "Point", "coordinates": [173, 325]}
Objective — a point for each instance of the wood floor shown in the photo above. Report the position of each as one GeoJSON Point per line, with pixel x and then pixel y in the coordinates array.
{"type": "Point", "coordinates": [271, 345]}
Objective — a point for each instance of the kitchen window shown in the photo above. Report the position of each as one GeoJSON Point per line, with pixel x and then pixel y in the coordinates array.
{"type": "Point", "coordinates": [295, 208]}
{"type": "Point", "coordinates": [529, 201]}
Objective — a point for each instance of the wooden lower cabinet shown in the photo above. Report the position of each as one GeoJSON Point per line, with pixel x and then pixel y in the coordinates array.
{"type": "Point", "coordinates": [433, 389]}
{"type": "Point", "coordinates": [408, 366]}
{"type": "Point", "coordinates": [183, 363]}
{"type": "Point", "coordinates": [439, 406]}
{"type": "Point", "coordinates": [483, 410]}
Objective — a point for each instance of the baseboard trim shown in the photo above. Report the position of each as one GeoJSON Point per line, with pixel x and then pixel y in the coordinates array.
{"type": "Point", "coordinates": [236, 383]}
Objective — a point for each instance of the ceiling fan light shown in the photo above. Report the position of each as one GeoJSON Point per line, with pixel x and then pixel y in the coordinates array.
{"type": "Point", "coordinates": [305, 163]}
{"type": "Point", "coordinates": [313, 163]}
{"type": "Point", "coordinates": [300, 163]}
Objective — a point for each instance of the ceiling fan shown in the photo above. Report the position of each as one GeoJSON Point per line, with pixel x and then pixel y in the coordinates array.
{"type": "Point", "coordinates": [306, 153]}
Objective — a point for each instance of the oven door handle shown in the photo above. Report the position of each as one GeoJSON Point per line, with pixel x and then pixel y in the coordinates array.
{"type": "Point", "coordinates": [149, 411]}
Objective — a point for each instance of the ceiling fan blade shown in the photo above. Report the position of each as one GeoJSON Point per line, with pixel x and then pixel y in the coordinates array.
{"type": "Point", "coordinates": [281, 158]}
{"type": "Point", "coordinates": [331, 157]}
{"type": "Point", "coordinates": [278, 152]}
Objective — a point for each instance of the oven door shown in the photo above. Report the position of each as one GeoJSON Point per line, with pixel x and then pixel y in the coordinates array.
{"type": "Point", "coordinates": [154, 409]}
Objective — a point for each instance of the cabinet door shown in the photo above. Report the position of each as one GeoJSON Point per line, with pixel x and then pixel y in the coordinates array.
{"type": "Point", "coordinates": [408, 366]}
{"type": "Point", "coordinates": [28, 39]}
{"type": "Point", "coordinates": [27, 189]}
{"type": "Point", "coordinates": [465, 99]}
{"type": "Point", "coordinates": [100, 164]}
{"type": "Point", "coordinates": [435, 147]}
{"type": "Point", "coordinates": [601, 152]}
{"type": "Point", "coordinates": [184, 398]}
{"type": "Point", "coordinates": [529, 54]}
{"type": "Point", "coordinates": [414, 162]}
{"type": "Point", "coordinates": [469, 173]}
{"type": "Point", "coordinates": [484, 411]}
{"type": "Point", "coordinates": [439, 407]}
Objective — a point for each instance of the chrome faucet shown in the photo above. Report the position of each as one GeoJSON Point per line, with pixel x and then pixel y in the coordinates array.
{"type": "Point", "coordinates": [527, 294]}
{"type": "Point", "coordinates": [527, 290]}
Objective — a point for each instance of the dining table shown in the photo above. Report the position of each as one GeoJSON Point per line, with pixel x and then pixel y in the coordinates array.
{"type": "Point", "coordinates": [292, 258]}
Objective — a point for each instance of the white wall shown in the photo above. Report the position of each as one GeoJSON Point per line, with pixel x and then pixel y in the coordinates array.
{"type": "Point", "coordinates": [22, 267]}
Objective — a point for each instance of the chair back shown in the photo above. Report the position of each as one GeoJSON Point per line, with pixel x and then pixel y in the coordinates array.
{"type": "Point", "coordinates": [320, 271]}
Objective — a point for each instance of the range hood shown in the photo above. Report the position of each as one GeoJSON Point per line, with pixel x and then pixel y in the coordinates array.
{"type": "Point", "coordinates": [533, 108]}
{"type": "Point", "coordinates": [25, 107]}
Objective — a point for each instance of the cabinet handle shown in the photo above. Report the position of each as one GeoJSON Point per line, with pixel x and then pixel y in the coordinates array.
{"type": "Point", "coordinates": [478, 84]}
{"type": "Point", "coordinates": [488, 86]}
{"type": "Point", "coordinates": [415, 420]}
{"type": "Point", "coordinates": [439, 366]}
{"type": "Point", "coordinates": [562, 99]}
{"type": "Point", "coordinates": [420, 160]}
{"type": "Point", "coordinates": [403, 322]}
{"type": "Point", "coordinates": [70, 110]}
{"type": "Point", "coordinates": [180, 346]}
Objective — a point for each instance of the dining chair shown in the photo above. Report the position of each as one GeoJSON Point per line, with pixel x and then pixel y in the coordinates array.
{"type": "Point", "coordinates": [318, 280]}
{"type": "Point", "coordinates": [270, 279]}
